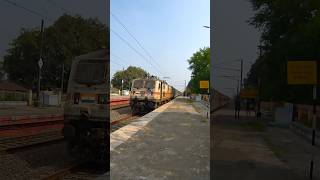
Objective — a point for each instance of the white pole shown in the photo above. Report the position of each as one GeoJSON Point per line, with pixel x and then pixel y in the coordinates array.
{"type": "Point", "coordinates": [313, 129]}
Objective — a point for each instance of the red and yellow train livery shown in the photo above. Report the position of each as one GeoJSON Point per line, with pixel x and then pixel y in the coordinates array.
{"type": "Point", "coordinates": [149, 93]}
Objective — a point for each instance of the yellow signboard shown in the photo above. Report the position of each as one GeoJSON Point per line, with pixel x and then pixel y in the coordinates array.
{"type": "Point", "coordinates": [302, 72]}
{"type": "Point", "coordinates": [204, 84]}
{"type": "Point", "coordinates": [248, 93]}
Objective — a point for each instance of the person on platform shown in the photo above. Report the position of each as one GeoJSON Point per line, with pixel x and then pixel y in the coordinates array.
{"type": "Point", "coordinates": [249, 106]}
{"type": "Point", "coordinates": [237, 105]}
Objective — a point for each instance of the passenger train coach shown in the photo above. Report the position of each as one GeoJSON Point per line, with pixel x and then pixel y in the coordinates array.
{"type": "Point", "coordinates": [149, 93]}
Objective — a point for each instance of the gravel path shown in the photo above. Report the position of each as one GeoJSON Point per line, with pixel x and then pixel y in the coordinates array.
{"type": "Point", "coordinates": [120, 113]}
{"type": "Point", "coordinates": [40, 161]}
{"type": "Point", "coordinates": [240, 152]}
{"type": "Point", "coordinates": [34, 163]}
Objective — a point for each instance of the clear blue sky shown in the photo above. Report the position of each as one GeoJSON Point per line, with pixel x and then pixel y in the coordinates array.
{"type": "Point", "coordinates": [170, 30]}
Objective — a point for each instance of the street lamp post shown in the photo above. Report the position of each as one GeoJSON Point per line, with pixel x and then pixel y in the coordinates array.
{"type": "Point", "coordinates": [121, 87]}
{"type": "Point", "coordinates": [122, 82]}
{"type": "Point", "coordinates": [241, 71]}
{"type": "Point", "coordinates": [40, 63]}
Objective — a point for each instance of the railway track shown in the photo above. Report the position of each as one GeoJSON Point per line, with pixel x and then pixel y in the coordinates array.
{"type": "Point", "coordinates": [81, 170]}
{"type": "Point", "coordinates": [28, 141]}
{"type": "Point", "coordinates": [33, 140]}
{"type": "Point", "coordinates": [120, 117]}
{"type": "Point", "coordinates": [123, 121]}
{"type": "Point", "coordinates": [18, 143]}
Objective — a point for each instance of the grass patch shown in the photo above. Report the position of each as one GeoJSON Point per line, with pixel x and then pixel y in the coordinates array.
{"type": "Point", "coordinates": [278, 152]}
{"type": "Point", "coordinates": [198, 109]}
{"type": "Point", "coordinates": [254, 125]}
{"type": "Point", "coordinates": [189, 101]}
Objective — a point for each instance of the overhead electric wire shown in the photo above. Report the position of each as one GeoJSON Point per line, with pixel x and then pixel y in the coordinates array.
{"type": "Point", "coordinates": [227, 62]}
{"type": "Point", "coordinates": [141, 46]}
{"type": "Point", "coordinates": [125, 41]}
{"type": "Point", "coordinates": [232, 61]}
{"type": "Point", "coordinates": [114, 62]}
{"type": "Point", "coordinates": [225, 68]}
{"type": "Point", "coordinates": [117, 57]}
{"type": "Point", "coordinates": [117, 62]}
{"type": "Point", "coordinates": [69, 12]}
{"type": "Point", "coordinates": [136, 40]}
{"type": "Point", "coordinates": [28, 10]}
{"type": "Point", "coordinates": [56, 5]}
{"type": "Point", "coordinates": [134, 49]}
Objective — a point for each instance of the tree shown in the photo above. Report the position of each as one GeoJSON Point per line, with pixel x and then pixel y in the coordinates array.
{"type": "Point", "coordinates": [290, 31]}
{"type": "Point", "coordinates": [68, 37]}
{"type": "Point", "coordinates": [127, 75]}
{"type": "Point", "coordinates": [199, 64]}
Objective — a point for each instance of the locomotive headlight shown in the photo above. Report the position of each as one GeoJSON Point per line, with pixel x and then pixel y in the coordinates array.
{"type": "Point", "coordinates": [149, 92]}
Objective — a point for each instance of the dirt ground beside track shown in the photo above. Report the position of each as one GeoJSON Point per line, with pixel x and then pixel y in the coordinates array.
{"type": "Point", "coordinates": [246, 149]}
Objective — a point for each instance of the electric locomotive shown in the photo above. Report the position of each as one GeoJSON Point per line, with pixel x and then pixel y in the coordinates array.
{"type": "Point", "coordinates": [149, 93]}
{"type": "Point", "coordinates": [86, 112]}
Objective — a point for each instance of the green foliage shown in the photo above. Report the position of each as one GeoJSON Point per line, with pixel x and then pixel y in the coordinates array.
{"type": "Point", "coordinates": [199, 64]}
{"type": "Point", "coordinates": [254, 125]}
{"type": "Point", "coordinates": [127, 75]}
{"type": "Point", "coordinates": [68, 37]}
{"type": "Point", "coordinates": [277, 151]}
{"type": "Point", "coordinates": [11, 96]}
{"type": "Point", "coordinates": [290, 31]}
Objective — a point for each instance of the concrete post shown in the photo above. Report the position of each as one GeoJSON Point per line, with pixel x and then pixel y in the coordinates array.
{"type": "Point", "coordinates": [60, 98]}
{"type": "Point", "coordinates": [314, 113]}
{"type": "Point", "coordinates": [30, 98]}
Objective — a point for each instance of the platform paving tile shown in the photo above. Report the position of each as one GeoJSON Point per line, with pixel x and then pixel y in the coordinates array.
{"type": "Point", "coordinates": [240, 152]}
{"type": "Point", "coordinates": [174, 145]}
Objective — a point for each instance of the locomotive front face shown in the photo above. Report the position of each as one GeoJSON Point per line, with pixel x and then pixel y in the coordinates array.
{"type": "Point", "coordinates": [143, 89]}
{"type": "Point", "coordinates": [87, 106]}
{"type": "Point", "coordinates": [87, 92]}
{"type": "Point", "coordinates": [144, 95]}
{"type": "Point", "coordinates": [86, 112]}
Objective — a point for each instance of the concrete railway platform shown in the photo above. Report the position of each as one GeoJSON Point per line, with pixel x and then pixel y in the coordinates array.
{"type": "Point", "coordinates": [247, 149]}
{"type": "Point", "coordinates": [172, 142]}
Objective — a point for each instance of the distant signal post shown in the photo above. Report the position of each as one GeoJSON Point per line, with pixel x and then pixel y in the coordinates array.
{"type": "Point", "coordinates": [204, 85]}
{"type": "Point", "coordinates": [248, 93]}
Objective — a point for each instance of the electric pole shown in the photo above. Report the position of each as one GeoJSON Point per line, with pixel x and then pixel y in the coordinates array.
{"type": "Point", "coordinates": [259, 99]}
{"type": "Point", "coordinates": [259, 87]}
{"type": "Point", "coordinates": [122, 81]}
{"type": "Point", "coordinates": [40, 63]}
{"type": "Point", "coordinates": [241, 73]}
{"type": "Point", "coordinates": [185, 88]}
{"type": "Point", "coordinates": [62, 76]}
{"type": "Point", "coordinates": [238, 88]}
